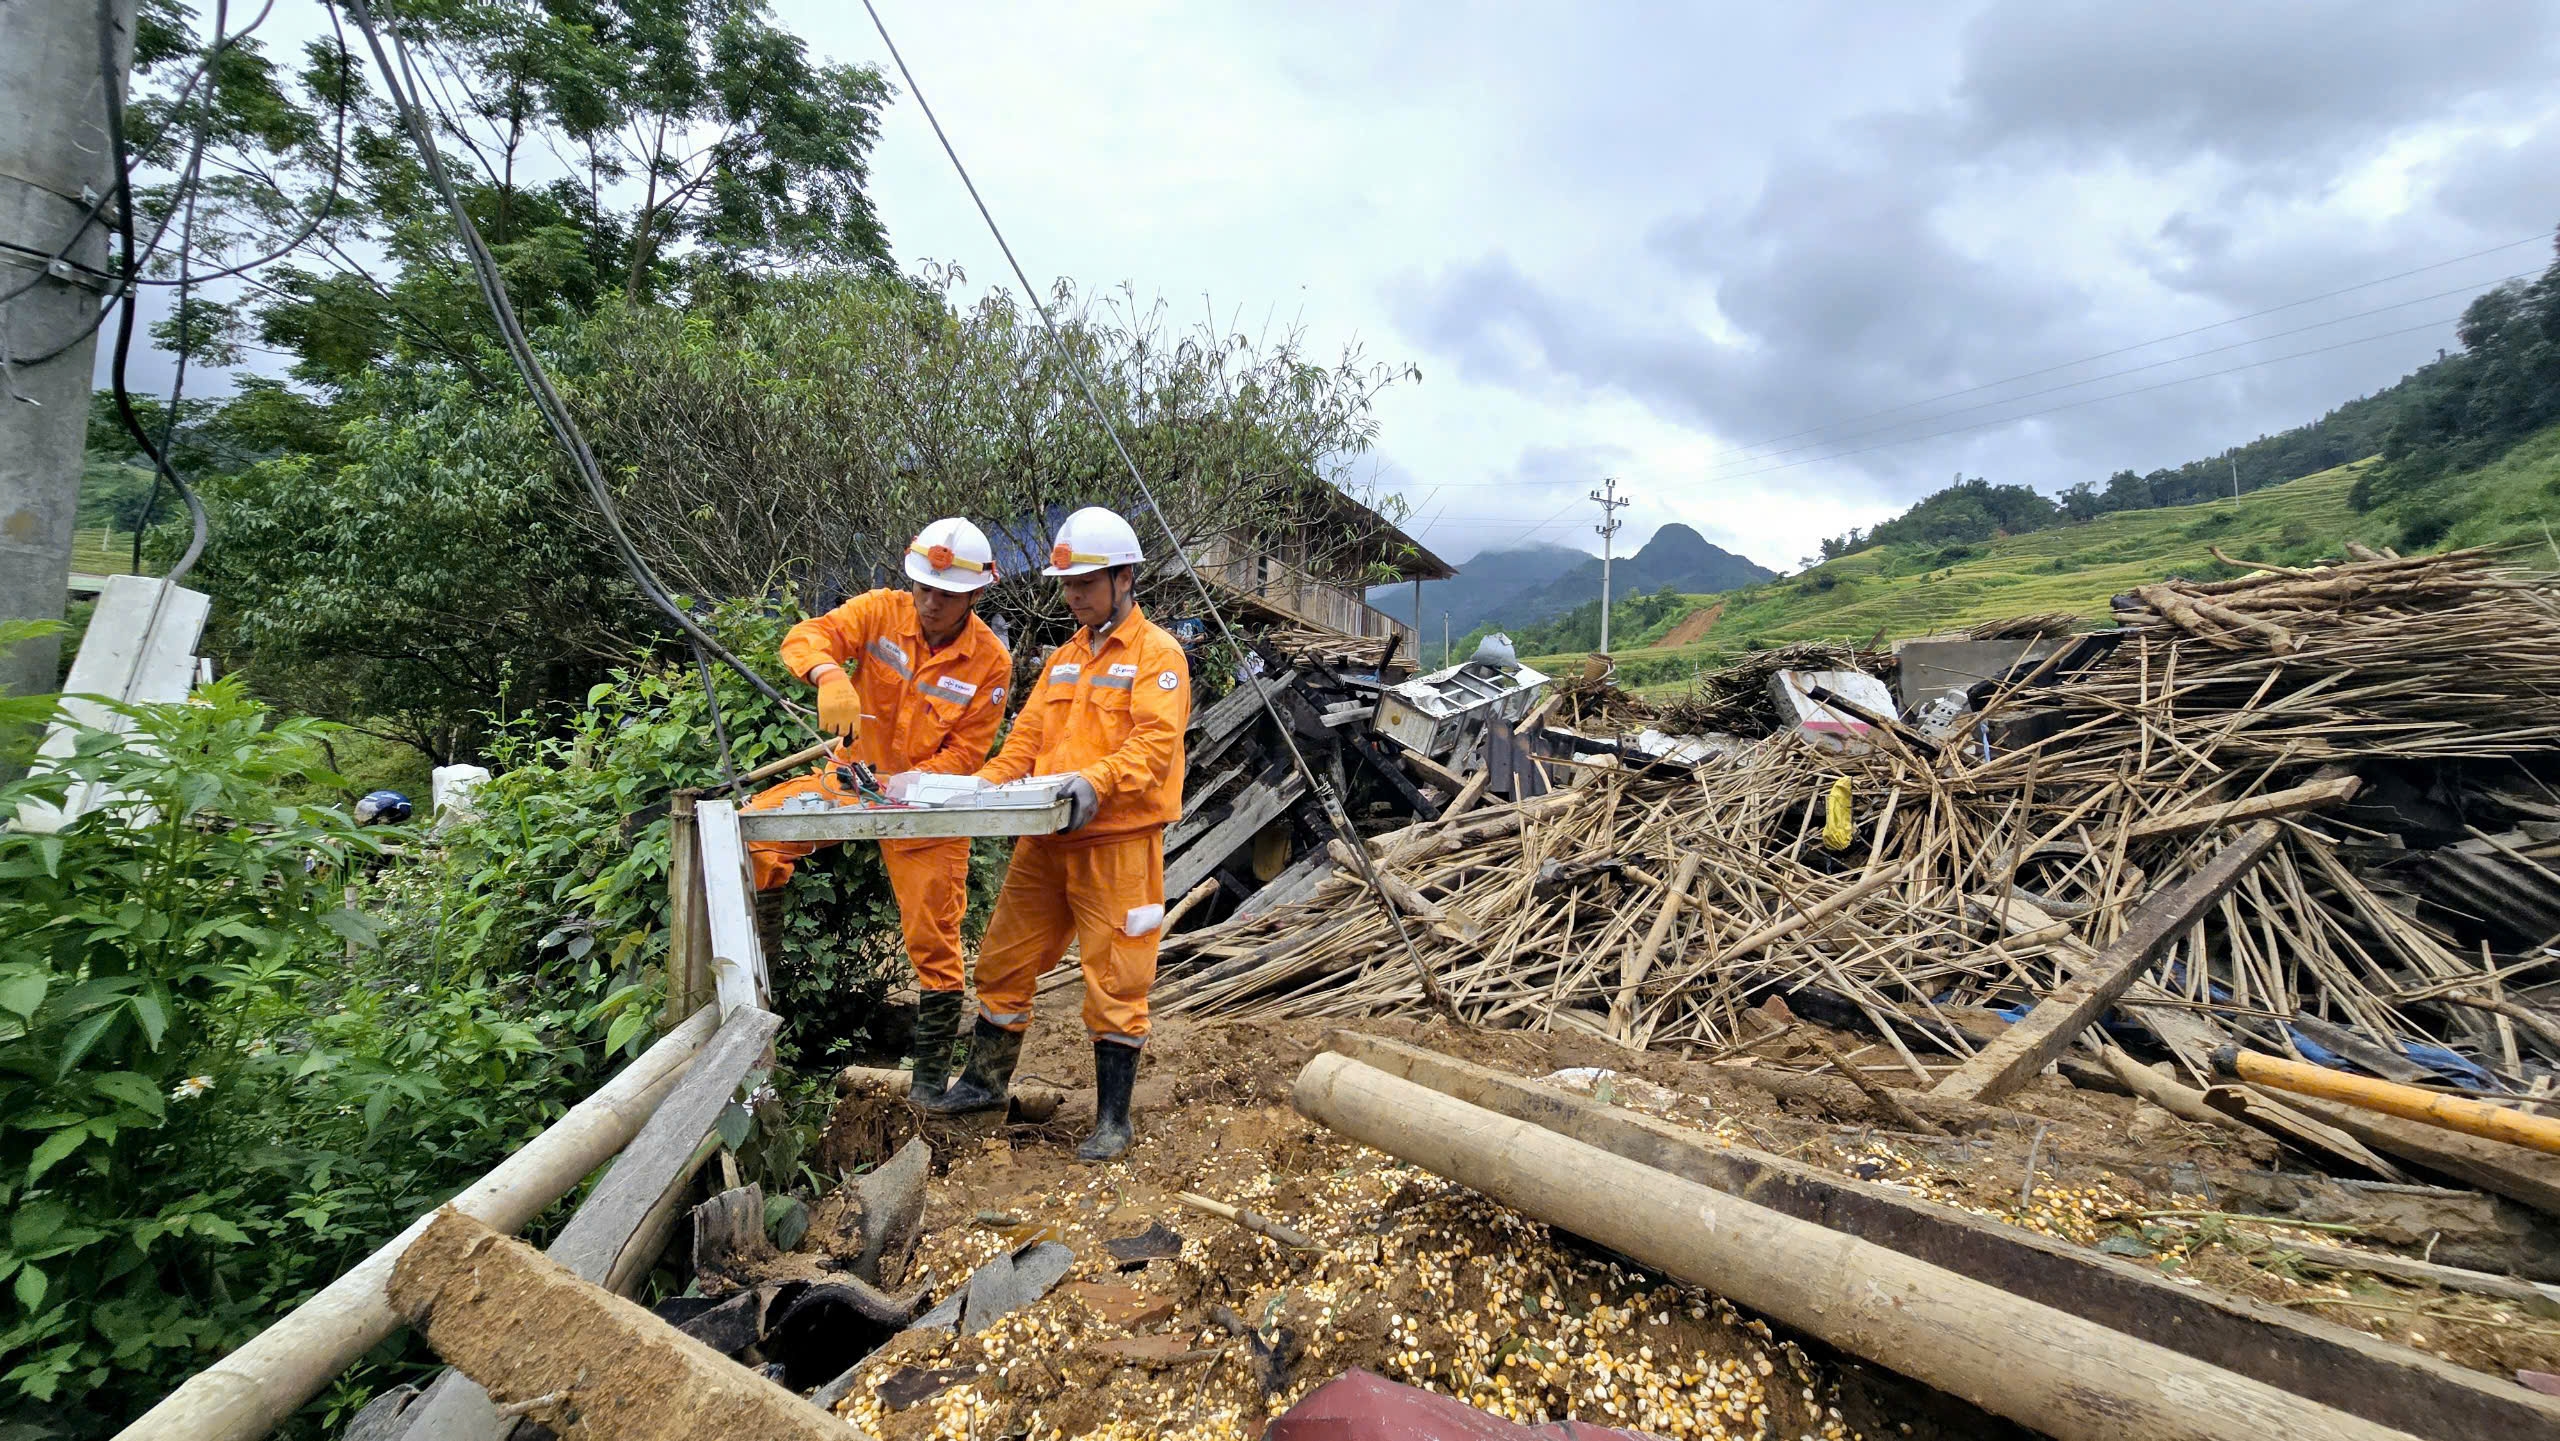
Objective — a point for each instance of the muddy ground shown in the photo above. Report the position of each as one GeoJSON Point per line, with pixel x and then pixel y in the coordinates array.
{"type": "Point", "coordinates": [1429, 1284]}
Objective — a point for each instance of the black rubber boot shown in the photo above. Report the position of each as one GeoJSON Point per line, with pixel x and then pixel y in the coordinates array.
{"type": "Point", "coordinates": [937, 1034]}
{"type": "Point", "coordinates": [769, 924]}
{"type": "Point", "coordinates": [1115, 1074]}
{"type": "Point", "coordinates": [988, 1078]}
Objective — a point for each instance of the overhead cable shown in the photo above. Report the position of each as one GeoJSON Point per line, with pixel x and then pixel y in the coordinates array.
{"type": "Point", "coordinates": [1329, 802]}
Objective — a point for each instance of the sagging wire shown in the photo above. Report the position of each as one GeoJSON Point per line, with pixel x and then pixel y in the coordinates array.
{"type": "Point", "coordinates": [555, 412]}
{"type": "Point", "coordinates": [1330, 803]}
{"type": "Point", "coordinates": [160, 465]}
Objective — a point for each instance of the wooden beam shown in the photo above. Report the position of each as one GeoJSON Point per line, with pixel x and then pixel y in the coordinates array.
{"type": "Point", "coordinates": [2409, 1103]}
{"type": "Point", "coordinates": [2038, 1365]}
{"type": "Point", "coordinates": [646, 1177]}
{"type": "Point", "coordinates": [246, 1394]}
{"type": "Point", "coordinates": [689, 986]}
{"type": "Point", "coordinates": [2018, 1053]}
{"type": "Point", "coordinates": [2388, 1384]}
{"type": "Point", "coordinates": [2528, 1177]}
{"type": "Point", "coordinates": [574, 1356]}
{"type": "Point", "coordinates": [1259, 805]}
{"type": "Point", "coordinates": [2312, 796]}
{"type": "Point", "coordinates": [737, 957]}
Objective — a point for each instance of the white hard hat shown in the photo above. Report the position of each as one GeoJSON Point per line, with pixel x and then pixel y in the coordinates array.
{"type": "Point", "coordinates": [951, 554]}
{"type": "Point", "coordinates": [1092, 539]}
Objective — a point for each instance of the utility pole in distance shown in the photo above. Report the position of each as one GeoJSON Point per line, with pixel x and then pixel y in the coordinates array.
{"type": "Point", "coordinates": [56, 216]}
{"type": "Point", "coordinates": [2234, 458]}
{"type": "Point", "coordinates": [1610, 505]}
{"type": "Point", "coordinates": [1444, 638]}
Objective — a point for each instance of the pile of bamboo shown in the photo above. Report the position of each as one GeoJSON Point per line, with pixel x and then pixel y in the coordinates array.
{"type": "Point", "coordinates": [1735, 701]}
{"type": "Point", "coordinates": [1656, 907]}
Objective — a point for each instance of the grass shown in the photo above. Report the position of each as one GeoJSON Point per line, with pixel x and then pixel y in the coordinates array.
{"type": "Point", "coordinates": [102, 552]}
{"type": "Point", "coordinates": [1894, 592]}
{"type": "Point", "coordinates": [2514, 499]}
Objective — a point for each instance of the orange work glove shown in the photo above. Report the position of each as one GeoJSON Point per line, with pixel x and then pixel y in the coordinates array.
{"type": "Point", "coordinates": [839, 709]}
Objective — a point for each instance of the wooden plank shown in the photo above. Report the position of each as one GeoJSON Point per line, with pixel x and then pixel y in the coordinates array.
{"type": "Point", "coordinates": [873, 823]}
{"type": "Point", "coordinates": [1261, 804]}
{"type": "Point", "coordinates": [2424, 1273]}
{"type": "Point", "coordinates": [2017, 1054]}
{"type": "Point", "coordinates": [689, 986]}
{"type": "Point", "coordinates": [1428, 769]}
{"type": "Point", "coordinates": [2039, 1365]}
{"type": "Point", "coordinates": [1194, 797]}
{"type": "Point", "coordinates": [1196, 821]}
{"type": "Point", "coordinates": [1231, 717]}
{"type": "Point", "coordinates": [2373, 1378]}
{"type": "Point", "coordinates": [2528, 1177]}
{"type": "Point", "coordinates": [644, 1179]}
{"type": "Point", "coordinates": [2308, 797]}
{"type": "Point", "coordinates": [737, 957]}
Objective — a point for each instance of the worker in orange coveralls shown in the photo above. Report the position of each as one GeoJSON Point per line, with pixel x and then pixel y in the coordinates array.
{"type": "Point", "coordinates": [929, 677]}
{"type": "Point", "coordinates": [1108, 713]}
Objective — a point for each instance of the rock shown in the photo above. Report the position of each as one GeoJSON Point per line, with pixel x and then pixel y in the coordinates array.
{"type": "Point", "coordinates": [1124, 1306]}
{"type": "Point", "coordinates": [1158, 1242]}
{"type": "Point", "coordinates": [907, 1385]}
{"type": "Point", "coordinates": [2152, 1125]}
{"type": "Point", "coordinates": [381, 1418]}
{"type": "Point", "coordinates": [1009, 1282]}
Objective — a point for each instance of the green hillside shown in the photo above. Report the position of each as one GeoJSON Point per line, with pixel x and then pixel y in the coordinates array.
{"type": "Point", "coordinates": [1901, 590]}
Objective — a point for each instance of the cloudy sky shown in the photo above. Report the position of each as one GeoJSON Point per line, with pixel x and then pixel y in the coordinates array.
{"type": "Point", "coordinates": [1767, 265]}
{"type": "Point", "coordinates": [1779, 269]}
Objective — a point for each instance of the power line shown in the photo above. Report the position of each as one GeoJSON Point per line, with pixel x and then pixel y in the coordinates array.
{"type": "Point", "coordinates": [2539, 238]}
{"type": "Point", "coordinates": [555, 413]}
{"type": "Point", "coordinates": [2091, 400]}
{"type": "Point", "coordinates": [2139, 369]}
{"type": "Point", "coordinates": [1330, 803]}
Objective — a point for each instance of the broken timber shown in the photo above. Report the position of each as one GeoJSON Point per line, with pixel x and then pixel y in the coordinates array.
{"type": "Point", "coordinates": [2036, 1364]}
{"type": "Point", "coordinates": [2017, 1054]}
{"type": "Point", "coordinates": [622, 1225]}
{"type": "Point", "coordinates": [533, 1333]}
{"type": "Point", "coordinates": [2388, 1384]}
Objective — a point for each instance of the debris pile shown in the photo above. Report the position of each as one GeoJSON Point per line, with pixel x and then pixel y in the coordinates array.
{"type": "Point", "coordinates": [2352, 725]}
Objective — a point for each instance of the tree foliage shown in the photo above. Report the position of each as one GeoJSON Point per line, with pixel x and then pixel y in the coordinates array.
{"type": "Point", "coordinates": [2465, 410]}
{"type": "Point", "coordinates": [790, 439]}
{"type": "Point", "coordinates": [603, 147]}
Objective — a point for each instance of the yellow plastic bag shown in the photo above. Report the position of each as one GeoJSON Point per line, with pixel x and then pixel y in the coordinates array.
{"type": "Point", "coordinates": [1837, 831]}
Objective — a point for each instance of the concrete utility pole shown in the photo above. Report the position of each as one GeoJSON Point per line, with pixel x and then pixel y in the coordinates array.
{"type": "Point", "coordinates": [1610, 505]}
{"type": "Point", "coordinates": [2235, 475]}
{"type": "Point", "coordinates": [1444, 637]}
{"type": "Point", "coordinates": [55, 167]}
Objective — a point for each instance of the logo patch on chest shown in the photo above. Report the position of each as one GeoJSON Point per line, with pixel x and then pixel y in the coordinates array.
{"type": "Point", "coordinates": [1125, 672]}
{"type": "Point", "coordinates": [1067, 673]}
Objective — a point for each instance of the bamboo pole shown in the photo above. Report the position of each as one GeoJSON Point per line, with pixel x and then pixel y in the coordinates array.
{"type": "Point", "coordinates": [248, 1393]}
{"type": "Point", "coordinates": [2453, 1113]}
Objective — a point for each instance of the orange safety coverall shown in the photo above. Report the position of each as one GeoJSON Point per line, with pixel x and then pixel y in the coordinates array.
{"type": "Point", "coordinates": [923, 710]}
{"type": "Point", "coordinates": [1113, 711]}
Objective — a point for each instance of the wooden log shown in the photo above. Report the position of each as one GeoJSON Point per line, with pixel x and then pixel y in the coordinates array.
{"type": "Point", "coordinates": [2453, 1113]}
{"type": "Point", "coordinates": [2385, 1383]}
{"type": "Point", "coordinates": [574, 1356]}
{"type": "Point", "coordinates": [246, 1394]}
{"type": "Point", "coordinates": [2183, 1102]}
{"type": "Point", "coordinates": [2035, 1364]}
{"type": "Point", "coordinates": [598, 1244]}
{"type": "Point", "coordinates": [1189, 903]}
{"type": "Point", "coordinates": [1883, 1099]}
{"type": "Point", "coordinates": [2314, 795]}
{"type": "Point", "coordinates": [2161, 917]}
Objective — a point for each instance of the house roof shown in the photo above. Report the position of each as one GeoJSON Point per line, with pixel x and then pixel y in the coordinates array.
{"type": "Point", "coordinates": [1409, 558]}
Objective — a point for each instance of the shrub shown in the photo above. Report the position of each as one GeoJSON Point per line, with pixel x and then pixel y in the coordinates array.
{"type": "Point", "coordinates": [2422, 528]}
